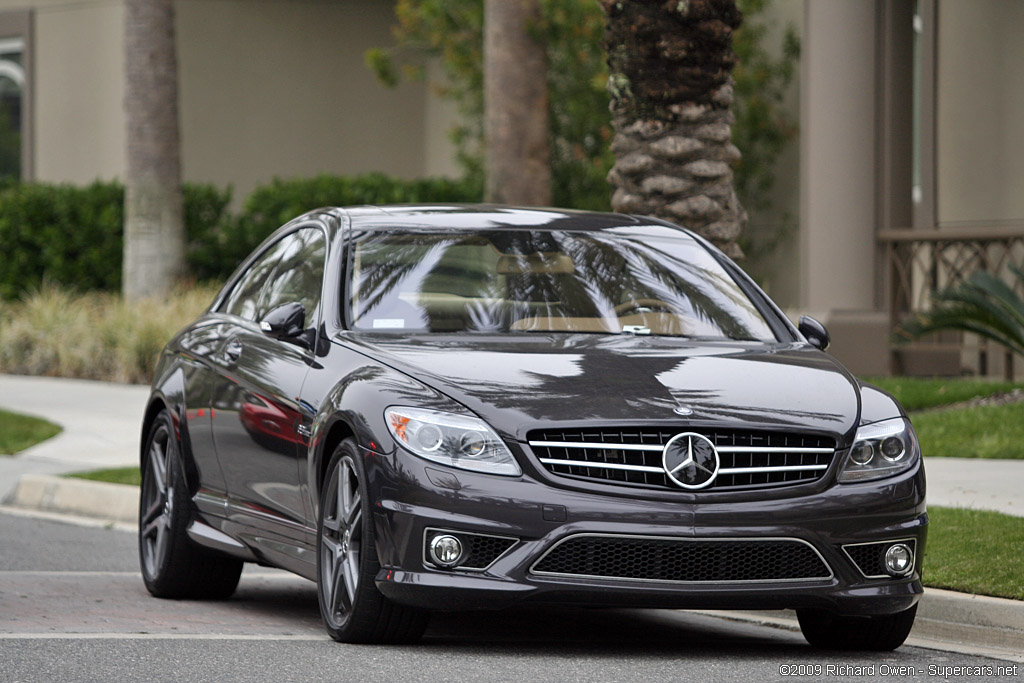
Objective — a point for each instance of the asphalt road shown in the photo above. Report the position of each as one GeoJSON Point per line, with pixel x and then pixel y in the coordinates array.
{"type": "Point", "coordinates": [73, 608]}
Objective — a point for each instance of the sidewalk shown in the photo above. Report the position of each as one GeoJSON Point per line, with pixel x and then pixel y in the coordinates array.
{"type": "Point", "coordinates": [101, 424]}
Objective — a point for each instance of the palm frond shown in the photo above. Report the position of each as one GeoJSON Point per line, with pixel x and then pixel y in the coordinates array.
{"type": "Point", "coordinates": [983, 304]}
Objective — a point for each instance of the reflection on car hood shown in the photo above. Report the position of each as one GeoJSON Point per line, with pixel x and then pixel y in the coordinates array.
{"type": "Point", "coordinates": [518, 383]}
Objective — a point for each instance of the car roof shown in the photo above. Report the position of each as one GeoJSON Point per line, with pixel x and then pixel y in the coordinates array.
{"type": "Point", "coordinates": [478, 216]}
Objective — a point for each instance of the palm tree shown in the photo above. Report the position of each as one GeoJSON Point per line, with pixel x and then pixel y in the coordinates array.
{"type": "Point", "coordinates": [515, 105]}
{"type": "Point", "coordinates": [154, 232]}
{"type": "Point", "coordinates": [670, 64]}
{"type": "Point", "coordinates": [982, 304]}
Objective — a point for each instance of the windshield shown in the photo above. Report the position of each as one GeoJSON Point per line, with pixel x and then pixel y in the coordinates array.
{"type": "Point", "coordinates": [650, 280]}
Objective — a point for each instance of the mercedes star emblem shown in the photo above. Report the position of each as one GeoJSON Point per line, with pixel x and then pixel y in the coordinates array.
{"type": "Point", "coordinates": [690, 460]}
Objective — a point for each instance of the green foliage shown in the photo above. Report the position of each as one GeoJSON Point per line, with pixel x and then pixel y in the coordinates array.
{"type": "Point", "coordinates": [581, 132]}
{"type": "Point", "coordinates": [920, 393]}
{"type": "Point", "coordinates": [272, 205]}
{"type": "Point", "coordinates": [577, 73]}
{"type": "Point", "coordinates": [73, 235]}
{"type": "Point", "coordinates": [982, 304]}
{"type": "Point", "coordinates": [18, 432]}
{"type": "Point", "coordinates": [763, 128]}
{"type": "Point", "coordinates": [952, 559]}
{"type": "Point", "coordinates": [994, 431]}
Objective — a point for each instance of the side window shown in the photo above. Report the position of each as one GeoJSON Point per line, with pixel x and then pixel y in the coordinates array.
{"type": "Point", "coordinates": [245, 296]}
{"type": "Point", "coordinates": [299, 274]}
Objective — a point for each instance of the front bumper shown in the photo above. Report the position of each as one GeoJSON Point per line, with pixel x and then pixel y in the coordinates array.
{"type": "Point", "coordinates": [411, 496]}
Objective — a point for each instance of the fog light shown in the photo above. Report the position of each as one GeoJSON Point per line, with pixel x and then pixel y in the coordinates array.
{"type": "Point", "coordinates": [445, 550]}
{"type": "Point", "coordinates": [899, 559]}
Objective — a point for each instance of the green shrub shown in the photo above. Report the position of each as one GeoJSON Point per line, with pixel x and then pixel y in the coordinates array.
{"type": "Point", "coordinates": [271, 206]}
{"type": "Point", "coordinates": [72, 236]}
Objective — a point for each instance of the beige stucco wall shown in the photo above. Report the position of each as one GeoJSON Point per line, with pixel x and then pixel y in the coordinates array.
{"type": "Point", "coordinates": [837, 163]}
{"type": "Point", "coordinates": [79, 91]}
{"type": "Point", "coordinates": [267, 88]}
{"type": "Point", "coordinates": [279, 88]}
{"type": "Point", "coordinates": [980, 138]}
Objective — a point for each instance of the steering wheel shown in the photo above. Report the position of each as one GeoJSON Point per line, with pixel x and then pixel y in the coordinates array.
{"type": "Point", "coordinates": [644, 306]}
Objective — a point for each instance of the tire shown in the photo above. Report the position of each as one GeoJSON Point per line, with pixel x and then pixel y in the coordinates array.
{"type": "Point", "coordinates": [828, 631]}
{"type": "Point", "coordinates": [352, 608]}
{"type": "Point", "coordinates": [172, 565]}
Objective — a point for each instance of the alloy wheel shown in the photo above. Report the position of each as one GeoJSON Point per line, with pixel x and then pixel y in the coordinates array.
{"type": "Point", "coordinates": [341, 539]}
{"type": "Point", "coordinates": [158, 497]}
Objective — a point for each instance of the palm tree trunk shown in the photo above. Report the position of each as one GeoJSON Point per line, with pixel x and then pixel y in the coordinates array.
{"type": "Point", "coordinates": [154, 233]}
{"type": "Point", "coordinates": [516, 126]}
{"type": "Point", "coordinates": [669, 76]}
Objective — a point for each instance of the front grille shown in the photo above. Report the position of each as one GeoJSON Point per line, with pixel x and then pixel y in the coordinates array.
{"type": "Point", "coordinates": [870, 557]}
{"type": "Point", "coordinates": [633, 456]}
{"type": "Point", "coordinates": [644, 558]}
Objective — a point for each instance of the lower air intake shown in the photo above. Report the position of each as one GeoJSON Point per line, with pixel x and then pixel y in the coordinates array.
{"type": "Point", "coordinates": [672, 560]}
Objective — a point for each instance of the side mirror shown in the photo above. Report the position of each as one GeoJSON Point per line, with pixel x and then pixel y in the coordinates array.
{"type": "Point", "coordinates": [815, 332]}
{"type": "Point", "coordinates": [286, 322]}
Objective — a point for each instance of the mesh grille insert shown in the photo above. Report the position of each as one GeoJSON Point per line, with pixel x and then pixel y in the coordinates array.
{"type": "Point", "coordinates": [683, 560]}
{"type": "Point", "coordinates": [870, 557]}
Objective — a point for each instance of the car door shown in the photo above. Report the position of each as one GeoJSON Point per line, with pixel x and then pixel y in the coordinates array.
{"type": "Point", "coordinates": [254, 406]}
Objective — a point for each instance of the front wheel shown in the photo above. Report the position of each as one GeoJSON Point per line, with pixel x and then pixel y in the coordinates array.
{"type": "Point", "coordinates": [828, 631]}
{"type": "Point", "coordinates": [353, 610]}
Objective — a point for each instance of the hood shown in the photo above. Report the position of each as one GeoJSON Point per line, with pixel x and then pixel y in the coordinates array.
{"type": "Point", "coordinates": [518, 383]}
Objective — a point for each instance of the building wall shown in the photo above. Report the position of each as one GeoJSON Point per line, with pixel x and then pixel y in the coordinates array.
{"type": "Point", "coordinates": [267, 88]}
{"type": "Point", "coordinates": [272, 88]}
{"type": "Point", "coordinates": [837, 143]}
{"type": "Point", "coordinates": [980, 93]}
{"type": "Point", "coordinates": [79, 91]}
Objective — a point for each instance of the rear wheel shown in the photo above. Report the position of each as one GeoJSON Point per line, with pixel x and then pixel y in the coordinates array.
{"type": "Point", "coordinates": [173, 566]}
{"type": "Point", "coordinates": [828, 631]}
{"type": "Point", "coordinates": [353, 610]}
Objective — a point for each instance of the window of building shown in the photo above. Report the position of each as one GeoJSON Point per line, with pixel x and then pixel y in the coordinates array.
{"type": "Point", "coordinates": [15, 95]}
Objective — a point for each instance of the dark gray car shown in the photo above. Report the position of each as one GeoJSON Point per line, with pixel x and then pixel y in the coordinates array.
{"type": "Point", "coordinates": [436, 408]}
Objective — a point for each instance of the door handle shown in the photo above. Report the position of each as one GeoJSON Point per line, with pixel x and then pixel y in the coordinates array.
{"type": "Point", "coordinates": [233, 350]}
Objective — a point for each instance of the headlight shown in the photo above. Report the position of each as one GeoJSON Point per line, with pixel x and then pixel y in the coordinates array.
{"type": "Point", "coordinates": [881, 449]}
{"type": "Point", "coordinates": [455, 440]}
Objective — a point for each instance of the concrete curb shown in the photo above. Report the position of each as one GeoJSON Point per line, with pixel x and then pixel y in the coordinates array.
{"type": "Point", "coordinates": [959, 622]}
{"type": "Point", "coordinates": [113, 503]}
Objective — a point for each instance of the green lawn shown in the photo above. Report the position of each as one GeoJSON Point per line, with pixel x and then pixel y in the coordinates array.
{"type": "Point", "coordinates": [122, 475]}
{"type": "Point", "coordinates": [952, 559]}
{"type": "Point", "coordinates": [978, 432]}
{"type": "Point", "coordinates": [981, 432]}
{"type": "Point", "coordinates": [18, 432]}
{"type": "Point", "coordinates": [917, 393]}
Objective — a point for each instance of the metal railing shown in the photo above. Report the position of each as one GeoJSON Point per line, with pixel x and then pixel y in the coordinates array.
{"type": "Point", "coordinates": [922, 262]}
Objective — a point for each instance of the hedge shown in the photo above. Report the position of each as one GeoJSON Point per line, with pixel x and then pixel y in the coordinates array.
{"type": "Point", "coordinates": [72, 236]}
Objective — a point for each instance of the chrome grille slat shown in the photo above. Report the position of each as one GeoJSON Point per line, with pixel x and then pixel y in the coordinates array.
{"type": "Point", "coordinates": [632, 456]}
{"type": "Point", "coordinates": [658, 449]}
{"type": "Point", "coordinates": [643, 468]}
{"type": "Point", "coordinates": [603, 465]}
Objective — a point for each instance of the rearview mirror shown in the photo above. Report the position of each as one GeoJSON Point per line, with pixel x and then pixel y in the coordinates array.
{"type": "Point", "coordinates": [815, 333]}
{"type": "Point", "coordinates": [286, 322]}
